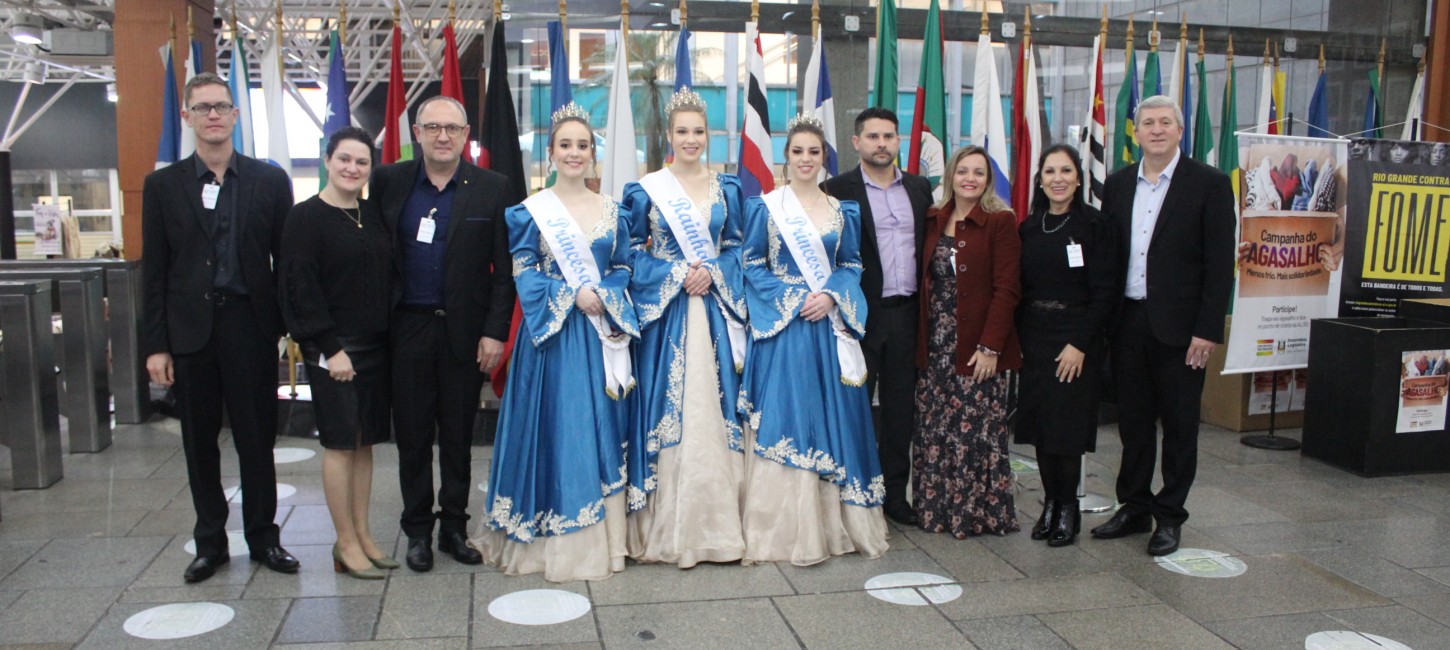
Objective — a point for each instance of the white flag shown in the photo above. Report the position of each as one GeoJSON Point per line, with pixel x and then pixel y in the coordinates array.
{"type": "Point", "coordinates": [273, 89]}
{"type": "Point", "coordinates": [621, 163]}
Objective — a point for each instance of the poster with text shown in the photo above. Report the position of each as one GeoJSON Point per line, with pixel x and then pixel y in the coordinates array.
{"type": "Point", "coordinates": [1398, 238]}
{"type": "Point", "coordinates": [1290, 248]}
{"type": "Point", "coordinates": [47, 230]}
{"type": "Point", "coordinates": [1422, 391]}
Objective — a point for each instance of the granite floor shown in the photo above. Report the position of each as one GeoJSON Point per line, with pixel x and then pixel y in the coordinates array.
{"type": "Point", "coordinates": [1321, 550]}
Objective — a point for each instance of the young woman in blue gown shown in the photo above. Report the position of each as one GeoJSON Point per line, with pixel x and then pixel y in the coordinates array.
{"type": "Point", "coordinates": [813, 483]}
{"type": "Point", "coordinates": [556, 501]}
{"type": "Point", "coordinates": [686, 467]}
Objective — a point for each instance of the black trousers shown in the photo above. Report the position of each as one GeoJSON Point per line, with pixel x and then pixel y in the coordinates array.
{"type": "Point", "coordinates": [890, 349]}
{"type": "Point", "coordinates": [237, 369]}
{"type": "Point", "coordinates": [435, 398]}
{"type": "Point", "coordinates": [1154, 384]}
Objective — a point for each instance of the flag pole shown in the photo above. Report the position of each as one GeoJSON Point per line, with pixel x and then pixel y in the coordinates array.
{"type": "Point", "coordinates": [986, 27]}
{"type": "Point", "coordinates": [684, 16]}
{"type": "Point", "coordinates": [564, 25]}
{"type": "Point", "coordinates": [623, 20]}
{"type": "Point", "coordinates": [755, 12]}
{"type": "Point", "coordinates": [816, 19]}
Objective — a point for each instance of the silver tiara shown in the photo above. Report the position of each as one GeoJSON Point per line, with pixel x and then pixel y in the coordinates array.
{"type": "Point", "coordinates": [806, 119]}
{"type": "Point", "coordinates": [570, 110]}
{"type": "Point", "coordinates": [685, 98]}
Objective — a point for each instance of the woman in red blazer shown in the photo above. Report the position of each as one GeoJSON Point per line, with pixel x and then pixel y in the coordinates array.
{"type": "Point", "coordinates": [970, 282]}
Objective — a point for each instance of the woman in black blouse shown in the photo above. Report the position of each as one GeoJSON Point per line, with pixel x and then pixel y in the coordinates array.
{"type": "Point", "coordinates": [336, 272]}
{"type": "Point", "coordinates": [1069, 290]}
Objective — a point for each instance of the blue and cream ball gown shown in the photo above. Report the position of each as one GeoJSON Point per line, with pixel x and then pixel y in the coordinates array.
{"type": "Point", "coordinates": [813, 482]}
{"type": "Point", "coordinates": [686, 469]}
{"type": "Point", "coordinates": [556, 498]}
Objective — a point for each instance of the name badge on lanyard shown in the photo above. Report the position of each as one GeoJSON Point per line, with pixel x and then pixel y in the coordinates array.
{"type": "Point", "coordinates": [209, 194]}
{"type": "Point", "coordinates": [427, 226]}
{"type": "Point", "coordinates": [1074, 254]}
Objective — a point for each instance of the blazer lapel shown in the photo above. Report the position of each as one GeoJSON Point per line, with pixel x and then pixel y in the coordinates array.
{"type": "Point", "coordinates": [247, 185]}
{"type": "Point", "coordinates": [868, 221]}
{"type": "Point", "coordinates": [1179, 186]}
{"type": "Point", "coordinates": [404, 181]}
{"type": "Point", "coordinates": [465, 198]}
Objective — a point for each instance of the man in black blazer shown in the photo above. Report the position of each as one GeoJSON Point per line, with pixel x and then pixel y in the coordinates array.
{"type": "Point", "coordinates": [211, 225]}
{"type": "Point", "coordinates": [1177, 215]}
{"type": "Point", "coordinates": [893, 230]}
{"type": "Point", "coordinates": [450, 320]}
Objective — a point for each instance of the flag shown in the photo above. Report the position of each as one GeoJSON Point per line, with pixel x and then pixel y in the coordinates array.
{"type": "Point", "coordinates": [560, 92]}
{"type": "Point", "coordinates": [1180, 88]}
{"type": "Point", "coordinates": [1026, 131]}
{"type": "Point", "coordinates": [818, 101]}
{"type": "Point", "coordinates": [169, 146]}
{"type": "Point", "coordinates": [1374, 119]}
{"type": "Point", "coordinates": [756, 155]}
{"type": "Point", "coordinates": [988, 128]}
{"type": "Point", "coordinates": [1095, 131]}
{"type": "Point", "coordinates": [274, 91]}
{"type": "Point", "coordinates": [1415, 114]}
{"type": "Point", "coordinates": [240, 84]}
{"type": "Point", "coordinates": [621, 161]}
{"type": "Point", "coordinates": [1277, 117]}
{"type": "Point", "coordinates": [1152, 78]}
{"type": "Point", "coordinates": [1264, 116]}
{"type": "Point", "coordinates": [1125, 141]}
{"type": "Point", "coordinates": [929, 119]}
{"type": "Point", "coordinates": [1228, 124]}
{"type": "Point", "coordinates": [1202, 123]}
{"type": "Point", "coordinates": [1319, 110]}
{"type": "Point", "coordinates": [683, 75]}
{"type": "Point", "coordinates": [193, 68]}
{"type": "Point", "coordinates": [397, 135]}
{"type": "Point", "coordinates": [499, 140]}
{"type": "Point", "coordinates": [452, 85]}
{"type": "Point", "coordinates": [883, 92]}
{"type": "Point", "coordinates": [338, 114]}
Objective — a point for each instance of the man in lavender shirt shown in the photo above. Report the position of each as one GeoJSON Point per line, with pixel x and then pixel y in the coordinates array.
{"type": "Point", "coordinates": [893, 215]}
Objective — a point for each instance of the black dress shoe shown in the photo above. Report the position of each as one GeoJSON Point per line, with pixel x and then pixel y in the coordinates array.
{"type": "Point", "coordinates": [1123, 524]}
{"type": "Point", "coordinates": [277, 559]}
{"type": "Point", "coordinates": [205, 567]}
{"type": "Point", "coordinates": [456, 544]}
{"type": "Point", "coordinates": [1047, 521]}
{"type": "Point", "coordinates": [420, 554]}
{"type": "Point", "coordinates": [1164, 540]}
{"type": "Point", "coordinates": [1065, 524]}
{"type": "Point", "coordinates": [901, 513]}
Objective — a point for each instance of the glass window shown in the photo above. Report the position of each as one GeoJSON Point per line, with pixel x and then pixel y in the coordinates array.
{"type": "Point", "coordinates": [29, 185]}
{"type": "Point", "coordinates": [87, 189]}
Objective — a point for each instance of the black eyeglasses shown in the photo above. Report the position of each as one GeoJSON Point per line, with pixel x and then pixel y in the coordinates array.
{"type": "Point", "coordinates": [454, 130]}
{"type": "Point", "coordinates": [222, 108]}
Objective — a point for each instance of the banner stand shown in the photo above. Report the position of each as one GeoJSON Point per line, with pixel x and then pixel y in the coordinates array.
{"type": "Point", "coordinates": [1269, 440]}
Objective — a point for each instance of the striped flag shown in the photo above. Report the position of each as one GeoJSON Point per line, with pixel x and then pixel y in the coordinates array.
{"type": "Point", "coordinates": [1415, 114]}
{"type": "Point", "coordinates": [452, 85]}
{"type": "Point", "coordinates": [1026, 131]}
{"type": "Point", "coordinates": [929, 119]}
{"type": "Point", "coordinates": [193, 68]}
{"type": "Point", "coordinates": [756, 156]}
{"type": "Point", "coordinates": [338, 114]}
{"type": "Point", "coordinates": [1319, 110]}
{"type": "Point", "coordinates": [397, 135]}
{"type": "Point", "coordinates": [1125, 141]}
{"type": "Point", "coordinates": [621, 160]}
{"type": "Point", "coordinates": [501, 153]}
{"type": "Point", "coordinates": [1095, 132]}
{"type": "Point", "coordinates": [1228, 125]}
{"type": "Point", "coordinates": [1264, 118]}
{"type": "Point", "coordinates": [1374, 107]}
{"type": "Point", "coordinates": [1180, 88]}
{"type": "Point", "coordinates": [169, 145]}
{"type": "Point", "coordinates": [274, 90]}
{"type": "Point", "coordinates": [989, 130]}
{"type": "Point", "coordinates": [241, 87]}
{"type": "Point", "coordinates": [819, 102]}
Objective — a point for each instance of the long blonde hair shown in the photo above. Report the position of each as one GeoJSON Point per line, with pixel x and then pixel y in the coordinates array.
{"type": "Point", "coordinates": [990, 202]}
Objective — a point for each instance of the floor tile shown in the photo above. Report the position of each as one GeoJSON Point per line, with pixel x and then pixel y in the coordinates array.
{"type": "Point", "coordinates": [315, 579]}
{"type": "Point", "coordinates": [74, 494]}
{"type": "Point", "coordinates": [165, 571]}
{"type": "Point", "coordinates": [490, 632]}
{"type": "Point", "coordinates": [966, 560]}
{"type": "Point", "coordinates": [1012, 633]}
{"type": "Point", "coordinates": [102, 562]}
{"type": "Point", "coordinates": [1044, 595]}
{"type": "Point", "coordinates": [15, 553]}
{"type": "Point", "coordinates": [1374, 573]}
{"type": "Point", "coordinates": [316, 620]}
{"type": "Point", "coordinates": [42, 525]}
{"type": "Point", "coordinates": [666, 583]}
{"type": "Point", "coordinates": [1273, 584]}
{"type": "Point", "coordinates": [425, 606]}
{"type": "Point", "coordinates": [850, 572]}
{"type": "Point", "coordinates": [1289, 631]}
{"type": "Point", "coordinates": [32, 619]}
{"type": "Point", "coordinates": [211, 590]}
{"type": "Point", "coordinates": [751, 623]}
{"type": "Point", "coordinates": [254, 625]}
{"type": "Point", "coordinates": [1147, 626]}
{"type": "Point", "coordinates": [855, 620]}
{"type": "Point", "coordinates": [456, 643]}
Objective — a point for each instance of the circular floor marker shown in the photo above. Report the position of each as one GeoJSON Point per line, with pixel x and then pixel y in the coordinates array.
{"type": "Point", "coordinates": [236, 544]}
{"type": "Point", "coordinates": [539, 607]}
{"type": "Point", "coordinates": [178, 620]}
{"type": "Point", "coordinates": [1347, 640]}
{"type": "Point", "coordinates": [291, 454]}
{"type": "Point", "coordinates": [234, 493]}
{"type": "Point", "coordinates": [304, 393]}
{"type": "Point", "coordinates": [1199, 563]}
{"type": "Point", "coordinates": [909, 588]}
{"type": "Point", "coordinates": [1023, 464]}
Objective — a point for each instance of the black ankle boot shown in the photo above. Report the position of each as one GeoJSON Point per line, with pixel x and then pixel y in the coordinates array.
{"type": "Point", "coordinates": [1066, 523]}
{"type": "Point", "coordinates": [1047, 521]}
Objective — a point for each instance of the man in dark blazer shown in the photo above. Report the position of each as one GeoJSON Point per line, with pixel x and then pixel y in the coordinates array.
{"type": "Point", "coordinates": [211, 225]}
{"type": "Point", "coordinates": [450, 320]}
{"type": "Point", "coordinates": [1177, 215]}
{"type": "Point", "coordinates": [893, 218]}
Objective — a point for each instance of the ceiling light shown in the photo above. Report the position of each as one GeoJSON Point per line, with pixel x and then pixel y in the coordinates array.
{"type": "Point", "coordinates": [34, 73]}
{"type": "Point", "coordinates": [111, 95]}
{"type": "Point", "coordinates": [27, 29]}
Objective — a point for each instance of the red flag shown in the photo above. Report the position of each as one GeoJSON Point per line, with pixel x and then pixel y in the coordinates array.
{"type": "Point", "coordinates": [452, 80]}
{"type": "Point", "coordinates": [395, 125]}
{"type": "Point", "coordinates": [1026, 137]}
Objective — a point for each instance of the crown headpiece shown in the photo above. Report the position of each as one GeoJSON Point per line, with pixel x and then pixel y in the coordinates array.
{"type": "Point", "coordinates": [570, 110]}
{"type": "Point", "coordinates": [685, 98]}
{"type": "Point", "coordinates": [808, 119]}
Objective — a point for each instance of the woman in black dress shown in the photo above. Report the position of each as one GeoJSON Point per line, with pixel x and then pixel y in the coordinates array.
{"type": "Point", "coordinates": [336, 272]}
{"type": "Point", "coordinates": [1069, 289]}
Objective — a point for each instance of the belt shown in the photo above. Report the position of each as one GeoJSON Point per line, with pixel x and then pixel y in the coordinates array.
{"type": "Point", "coordinates": [1135, 301]}
{"type": "Point", "coordinates": [897, 301]}
{"type": "Point", "coordinates": [1049, 305]}
{"type": "Point", "coordinates": [219, 298]}
{"type": "Point", "coordinates": [422, 309]}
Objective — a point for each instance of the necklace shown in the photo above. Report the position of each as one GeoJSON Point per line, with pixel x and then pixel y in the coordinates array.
{"type": "Point", "coordinates": [1045, 231]}
{"type": "Point", "coordinates": [355, 219]}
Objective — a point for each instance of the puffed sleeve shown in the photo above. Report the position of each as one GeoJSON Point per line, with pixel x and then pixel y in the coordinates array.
{"type": "Point", "coordinates": [546, 301]}
{"type": "Point", "coordinates": [844, 285]}
{"type": "Point", "coordinates": [773, 302]}
{"type": "Point", "coordinates": [728, 283]}
{"type": "Point", "coordinates": [304, 302]}
{"type": "Point", "coordinates": [654, 282]}
{"type": "Point", "coordinates": [613, 289]}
